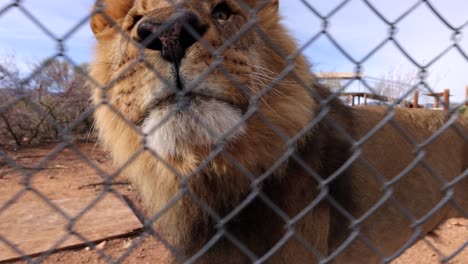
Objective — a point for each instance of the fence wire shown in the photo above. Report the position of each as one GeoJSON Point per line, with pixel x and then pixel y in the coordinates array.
{"type": "Point", "coordinates": [21, 86]}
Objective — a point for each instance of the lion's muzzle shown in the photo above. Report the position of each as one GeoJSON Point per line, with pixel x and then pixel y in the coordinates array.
{"type": "Point", "coordinates": [172, 37]}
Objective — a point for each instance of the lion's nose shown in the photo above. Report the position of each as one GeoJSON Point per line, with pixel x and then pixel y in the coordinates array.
{"type": "Point", "coordinates": [172, 38]}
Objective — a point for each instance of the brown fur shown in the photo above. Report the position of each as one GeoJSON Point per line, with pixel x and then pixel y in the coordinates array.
{"type": "Point", "coordinates": [131, 75]}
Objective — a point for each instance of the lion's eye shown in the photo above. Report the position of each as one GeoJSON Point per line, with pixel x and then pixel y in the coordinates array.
{"type": "Point", "coordinates": [221, 12]}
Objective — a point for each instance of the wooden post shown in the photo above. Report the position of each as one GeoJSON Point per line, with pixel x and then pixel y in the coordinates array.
{"type": "Point", "coordinates": [352, 104]}
{"type": "Point", "coordinates": [466, 102]}
{"type": "Point", "coordinates": [359, 100]}
{"type": "Point", "coordinates": [365, 99]}
{"type": "Point", "coordinates": [447, 99]}
{"type": "Point", "coordinates": [436, 102]}
{"type": "Point", "coordinates": [416, 99]}
{"type": "Point", "coordinates": [348, 100]}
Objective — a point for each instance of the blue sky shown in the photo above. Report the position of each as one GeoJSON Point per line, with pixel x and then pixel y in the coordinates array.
{"type": "Point", "coordinates": [355, 27]}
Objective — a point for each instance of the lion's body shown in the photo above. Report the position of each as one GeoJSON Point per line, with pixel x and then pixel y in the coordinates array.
{"type": "Point", "coordinates": [219, 148]}
{"type": "Point", "coordinates": [392, 153]}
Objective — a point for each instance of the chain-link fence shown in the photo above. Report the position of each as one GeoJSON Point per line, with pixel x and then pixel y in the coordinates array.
{"type": "Point", "coordinates": [240, 154]}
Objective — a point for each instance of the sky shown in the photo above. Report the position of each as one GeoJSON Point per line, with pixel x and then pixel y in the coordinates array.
{"type": "Point", "coordinates": [355, 27]}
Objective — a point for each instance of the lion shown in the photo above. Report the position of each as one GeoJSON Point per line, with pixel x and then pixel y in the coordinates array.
{"type": "Point", "coordinates": [241, 155]}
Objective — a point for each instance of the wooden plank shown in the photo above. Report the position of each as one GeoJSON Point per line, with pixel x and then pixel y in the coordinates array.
{"type": "Point", "coordinates": [434, 94]}
{"type": "Point", "coordinates": [34, 227]}
{"type": "Point", "coordinates": [338, 75]}
{"type": "Point", "coordinates": [368, 95]}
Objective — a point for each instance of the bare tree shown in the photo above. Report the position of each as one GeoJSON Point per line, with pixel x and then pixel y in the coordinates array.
{"type": "Point", "coordinates": [400, 85]}
{"type": "Point", "coordinates": [396, 85]}
{"type": "Point", "coordinates": [53, 100]}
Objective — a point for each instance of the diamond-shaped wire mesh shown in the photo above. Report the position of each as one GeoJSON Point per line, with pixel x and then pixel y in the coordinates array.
{"type": "Point", "coordinates": [320, 182]}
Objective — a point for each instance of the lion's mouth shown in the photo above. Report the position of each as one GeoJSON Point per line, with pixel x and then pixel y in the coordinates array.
{"type": "Point", "coordinates": [183, 102]}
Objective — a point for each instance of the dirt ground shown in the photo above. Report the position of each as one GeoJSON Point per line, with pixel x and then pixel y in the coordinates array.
{"type": "Point", "coordinates": [66, 174]}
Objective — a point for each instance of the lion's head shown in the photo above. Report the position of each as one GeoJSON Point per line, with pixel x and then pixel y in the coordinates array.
{"type": "Point", "coordinates": [207, 94]}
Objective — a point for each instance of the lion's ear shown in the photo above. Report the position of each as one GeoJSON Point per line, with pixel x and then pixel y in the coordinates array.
{"type": "Point", "coordinates": [275, 4]}
{"type": "Point", "coordinates": [107, 12]}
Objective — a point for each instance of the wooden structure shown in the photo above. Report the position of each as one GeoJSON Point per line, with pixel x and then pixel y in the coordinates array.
{"type": "Point", "coordinates": [338, 75]}
{"type": "Point", "coordinates": [416, 99]}
{"type": "Point", "coordinates": [466, 102]}
{"type": "Point", "coordinates": [446, 99]}
{"type": "Point", "coordinates": [351, 99]}
{"type": "Point", "coordinates": [443, 97]}
{"type": "Point", "coordinates": [352, 96]}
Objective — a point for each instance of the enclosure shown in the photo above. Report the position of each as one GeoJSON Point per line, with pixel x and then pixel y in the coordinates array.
{"type": "Point", "coordinates": [63, 201]}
